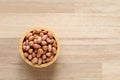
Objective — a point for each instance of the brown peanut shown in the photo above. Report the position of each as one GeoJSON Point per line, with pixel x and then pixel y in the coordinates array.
{"type": "Point", "coordinates": [51, 41]}
{"type": "Point", "coordinates": [26, 54]}
{"type": "Point", "coordinates": [44, 37]}
{"type": "Point", "coordinates": [31, 38]}
{"type": "Point", "coordinates": [54, 45]}
{"type": "Point", "coordinates": [41, 34]}
{"type": "Point", "coordinates": [45, 48]}
{"type": "Point", "coordinates": [40, 51]}
{"type": "Point", "coordinates": [35, 41]}
{"type": "Point", "coordinates": [43, 61]}
{"type": "Point", "coordinates": [45, 32]}
{"type": "Point", "coordinates": [30, 51]}
{"type": "Point", "coordinates": [54, 50]}
{"type": "Point", "coordinates": [24, 47]}
{"type": "Point", "coordinates": [44, 57]}
{"type": "Point", "coordinates": [34, 60]}
{"type": "Point", "coordinates": [49, 47]}
{"type": "Point", "coordinates": [27, 48]}
{"type": "Point", "coordinates": [26, 42]}
{"type": "Point", "coordinates": [31, 43]}
{"type": "Point", "coordinates": [48, 40]}
{"type": "Point", "coordinates": [48, 54]}
{"type": "Point", "coordinates": [38, 31]}
{"type": "Point", "coordinates": [36, 46]}
{"type": "Point", "coordinates": [50, 35]}
{"type": "Point", "coordinates": [30, 57]}
{"type": "Point", "coordinates": [39, 61]}
{"type": "Point", "coordinates": [43, 43]}
{"type": "Point", "coordinates": [39, 39]}
{"type": "Point", "coordinates": [49, 59]}
{"type": "Point", "coordinates": [28, 35]}
{"type": "Point", "coordinates": [33, 54]}
{"type": "Point", "coordinates": [38, 55]}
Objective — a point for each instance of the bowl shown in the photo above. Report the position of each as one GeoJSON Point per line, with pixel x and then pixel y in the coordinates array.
{"type": "Point", "coordinates": [29, 62]}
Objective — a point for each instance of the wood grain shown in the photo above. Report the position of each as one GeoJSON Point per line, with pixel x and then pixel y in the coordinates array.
{"type": "Point", "coordinates": [88, 32]}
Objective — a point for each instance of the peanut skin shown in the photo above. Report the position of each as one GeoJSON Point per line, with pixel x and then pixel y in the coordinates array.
{"type": "Point", "coordinates": [39, 61]}
{"type": "Point", "coordinates": [24, 47]}
{"type": "Point", "coordinates": [45, 48]}
{"type": "Point", "coordinates": [36, 46]}
{"type": "Point", "coordinates": [44, 37]}
{"type": "Point", "coordinates": [43, 43]}
{"type": "Point", "coordinates": [48, 54]}
{"type": "Point", "coordinates": [44, 57]}
{"type": "Point", "coordinates": [34, 60]}
{"type": "Point", "coordinates": [54, 50]}
{"type": "Point", "coordinates": [40, 51]}
{"type": "Point", "coordinates": [30, 51]}
{"type": "Point", "coordinates": [30, 57]}
{"type": "Point", "coordinates": [49, 47]}
{"type": "Point", "coordinates": [26, 54]}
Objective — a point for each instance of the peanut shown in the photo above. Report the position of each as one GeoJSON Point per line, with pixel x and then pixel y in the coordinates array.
{"type": "Point", "coordinates": [28, 35]}
{"type": "Point", "coordinates": [39, 39]}
{"type": "Point", "coordinates": [50, 35]}
{"type": "Point", "coordinates": [43, 61]}
{"type": "Point", "coordinates": [45, 32]}
{"type": "Point", "coordinates": [31, 38]}
{"type": "Point", "coordinates": [30, 57]}
{"type": "Point", "coordinates": [39, 61]}
{"type": "Point", "coordinates": [44, 48]}
{"type": "Point", "coordinates": [40, 51]}
{"type": "Point", "coordinates": [30, 51]}
{"type": "Point", "coordinates": [35, 41]}
{"type": "Point", "coordinates": [33, 54]}
{"type": "Point", "coordinates": [24, 47]}
{"type": "Point", "coordinates": [34, 60]}
{"type": "Point", "coordinates": [27, 48]}
{"type": "Point", "coordinates": [26, 54]}
{"type": "Point", "coordinates": [54, 45]}
{"type": "Point", "coordinates": [36, 46]}
{"type": "Point", "coordinates": [48, 40]}
{"type": "Point", "coordinates": [48, 54]}
{"type": "Point", "coordinates": [44, 57]}
{"type": "Point", "coordinates": [49, 59]}
{"type": "Point", "coordinates": [31, 43]}
{"type": "Point", "coordinates": [41, 34]}
{"type": "Point", "coordinates": [51, 41]}
{"type": "Point", "coordinates": [54, 50]}
{"type": "Point", "coordinates": [38, 55]}
{"type": "Point", "coordinates": [26, 42]}
{"type": "Point", "coordinates": [43, 43]}
{"type": "Point", "coordinates": [44, 37]}
{"type": "Point", "coordinates": [38, 31]}
{"type": "Point", "coordinates": [49, 47]}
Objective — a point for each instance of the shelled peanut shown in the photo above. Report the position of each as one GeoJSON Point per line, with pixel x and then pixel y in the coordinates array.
{"type": "Point", "coordinates": [39, 46]}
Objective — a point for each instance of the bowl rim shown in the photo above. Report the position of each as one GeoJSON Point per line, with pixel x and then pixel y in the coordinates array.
{"type": "Point", "coordinates": [37, 65]}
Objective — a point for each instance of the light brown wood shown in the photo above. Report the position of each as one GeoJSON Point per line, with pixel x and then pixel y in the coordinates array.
{"type": "Point", "coordinates": [89, 33]}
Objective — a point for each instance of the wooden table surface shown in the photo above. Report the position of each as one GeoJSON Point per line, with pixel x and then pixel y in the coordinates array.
{"type": "Point", "coordinates": [89, 33]}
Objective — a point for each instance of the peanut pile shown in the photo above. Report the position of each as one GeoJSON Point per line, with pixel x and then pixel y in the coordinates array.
{"type": "Point", "coordinates": [39, 46]}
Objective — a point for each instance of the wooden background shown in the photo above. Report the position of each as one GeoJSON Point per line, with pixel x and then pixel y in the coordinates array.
{"type": "Point", "coordinates": [89, 33]}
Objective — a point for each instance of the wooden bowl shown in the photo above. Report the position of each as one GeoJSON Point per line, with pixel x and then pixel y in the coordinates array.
{"type": "Point", "coordinates": [37, 65]}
